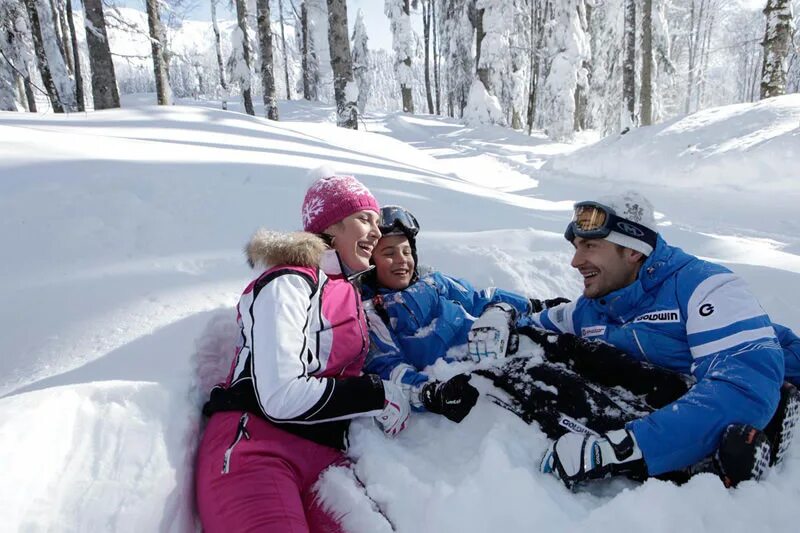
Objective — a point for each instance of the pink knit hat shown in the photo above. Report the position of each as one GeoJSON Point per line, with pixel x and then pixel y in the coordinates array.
{"type": "Point", "coordinates": [335, 198]}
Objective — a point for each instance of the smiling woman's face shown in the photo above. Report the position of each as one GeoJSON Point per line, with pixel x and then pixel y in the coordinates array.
{"type": "Point", "coordinates": [355, 238]}
{"type": "Point", "coordinates": [394, 262]}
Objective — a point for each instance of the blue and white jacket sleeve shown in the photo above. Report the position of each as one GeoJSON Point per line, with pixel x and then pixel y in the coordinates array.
{"type": "Point", "coordinates": [738, 365]}
{"type": "Point", "coordinates": [790, 343]}
{"type": "Point", "coordinates": [558, 319]}
{"type": "Point", "coordinates": [386, 359]}
{"type": "Point", "coordinates": [475, 301]}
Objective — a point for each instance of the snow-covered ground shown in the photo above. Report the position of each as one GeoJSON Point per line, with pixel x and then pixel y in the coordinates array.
{"type": "Point", "coordinates": [122, 234]}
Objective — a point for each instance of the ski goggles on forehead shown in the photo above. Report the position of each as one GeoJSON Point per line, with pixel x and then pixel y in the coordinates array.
{"type": "Point", "coordinates": [591, 220]}
{"type": "Point", "coordinates": [393, 217]}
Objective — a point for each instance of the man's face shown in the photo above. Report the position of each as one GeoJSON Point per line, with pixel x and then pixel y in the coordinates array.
{"type": "Point", "coordinates": [605, 267]}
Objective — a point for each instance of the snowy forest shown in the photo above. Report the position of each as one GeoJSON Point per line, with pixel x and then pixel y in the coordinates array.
{"type": "Point", "coordinates": [557, 66]}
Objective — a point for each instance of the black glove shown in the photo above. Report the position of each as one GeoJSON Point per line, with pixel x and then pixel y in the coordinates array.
{"type": "Point", "coordinates": [453, 398]}
{"type": "Point", "coordinates": [537, 306]}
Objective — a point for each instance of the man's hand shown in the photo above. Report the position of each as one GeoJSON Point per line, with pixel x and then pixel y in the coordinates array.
{"type": "Point", "coordinates": [537, 306]}
{"type": "Point", "coordinates": [576, 457]}
{"type": "Point", "coordinates": [489, 335]}
{"type": "Point", "coordinates": [453, 398]}
{"type": "Point", "coordinates": [392, 420]}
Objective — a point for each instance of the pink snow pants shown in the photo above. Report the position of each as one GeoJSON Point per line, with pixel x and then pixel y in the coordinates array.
{"type": "Point", "coordinates": [268, 481]}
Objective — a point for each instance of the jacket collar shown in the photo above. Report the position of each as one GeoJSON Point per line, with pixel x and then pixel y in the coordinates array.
{"type": "Point", "coordinates": [332, 265]}
{"type": "Point", "coordinates": [623, 304]}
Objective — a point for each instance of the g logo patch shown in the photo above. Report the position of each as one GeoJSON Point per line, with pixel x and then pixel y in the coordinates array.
{"type": "Point", "coordinates": [706, 309]}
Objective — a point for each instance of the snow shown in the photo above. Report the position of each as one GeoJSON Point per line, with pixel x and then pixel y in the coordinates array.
{"type": "Point", "coordinates": [482, 107]}
{"type": "Point", "coordinates": [122, 236]}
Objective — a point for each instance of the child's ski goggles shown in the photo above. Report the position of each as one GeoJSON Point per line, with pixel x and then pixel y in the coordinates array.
{"type": "Point", "coordinates": [394, 217]}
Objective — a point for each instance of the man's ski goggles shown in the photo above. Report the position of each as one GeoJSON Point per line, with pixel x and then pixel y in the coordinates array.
{"type": "Point", "coordinates": [596, 221]}
{"type": "Point", "coordinates": [394, 217]}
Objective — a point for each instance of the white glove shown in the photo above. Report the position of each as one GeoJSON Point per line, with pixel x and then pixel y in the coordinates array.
{"type": "Point", "coordinates": [489, 335]}
{"type": "Point", "coordinates": [392, 420]}
{"type": "Point", "coordinates": [577, 457]}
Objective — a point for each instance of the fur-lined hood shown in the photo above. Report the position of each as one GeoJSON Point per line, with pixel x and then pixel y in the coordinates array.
{"type": "Point", "coordinates": [271, 248]}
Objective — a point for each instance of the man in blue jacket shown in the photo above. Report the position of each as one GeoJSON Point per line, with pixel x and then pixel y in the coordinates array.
{"type": "Point", "coordinates": [666, 307]}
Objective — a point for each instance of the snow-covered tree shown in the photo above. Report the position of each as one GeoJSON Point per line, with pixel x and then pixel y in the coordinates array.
{"type": "Point", "coordinates": [361, 60]}
{"type": "Point", "coordinates": [77, 69]}
{"type": "Point", "coordinates": [495, 19]}
{"type": "Point", "coordinates": [777, 41]}
{"type": "Point", "coordinates": [267, 65]}
{"type": "Point", "coordinates": [568, 46]}
{"type": "Point", "coordinates": [457, 39]}
{"type": "Point", "coordinates": [428, 10]}
{"type": "Point", "coordinates": [344, 88]}
{"type": "Point", "coordinates": [646, 100]}
{"type": "Point", "coordinates": [629, 64]}
{"type": "Point", "coordinates": [482, 107]}
{"type": "Point", "coordinates": [218, 45]}
{"type": "Point", "coordinates": [158, 45]}
{"type": "Point", "coordinates": [320, 49]}
{"type": "Point", "coordinates": [43, 45]}
{"type": "Point", "coordinates": [16, 90]}
{"type": "Point", "coordinates": [398, 12]}
{"type": "Point", "coordinates": [284, 51]}
{"type": "Point", "coordinates": [104, 81]}
{"type": "Point", "coordinates": [240, 62]}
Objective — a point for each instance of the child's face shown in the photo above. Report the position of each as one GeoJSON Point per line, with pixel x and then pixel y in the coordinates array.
{"type": "Point", "coordinates": [394, 263]}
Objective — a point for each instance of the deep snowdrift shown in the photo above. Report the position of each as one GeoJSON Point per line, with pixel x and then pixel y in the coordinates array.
{"type": "Point", "coordinates": [122, 235]}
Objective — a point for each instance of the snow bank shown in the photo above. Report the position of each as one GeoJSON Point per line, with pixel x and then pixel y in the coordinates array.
{"type": "Point", "coordinates": [122, 261]}
{"type": "Point", "coordinates": [741, 147]}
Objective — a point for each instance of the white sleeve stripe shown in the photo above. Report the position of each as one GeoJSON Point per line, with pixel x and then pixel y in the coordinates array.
{"type": "Point", "coordinates": [328, 399]}
{"type": "Point", "coordinates": [732, 340]}
{"type": "Point", "coordinates": [709, 285]}
{"type": "Point", "coordinates": [728, 299]}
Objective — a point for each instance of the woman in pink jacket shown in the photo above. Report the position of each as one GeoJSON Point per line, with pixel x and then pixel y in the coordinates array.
{"type": "Point", "coordinates": [295, 382]}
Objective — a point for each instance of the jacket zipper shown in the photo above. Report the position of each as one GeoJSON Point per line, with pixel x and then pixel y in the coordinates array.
{"type": "Point", "coordinates": [361, 315]}
{"type": "Point", "coordinates": [241, 431]}
{"type": "Point", "coordinates": [639, 344]}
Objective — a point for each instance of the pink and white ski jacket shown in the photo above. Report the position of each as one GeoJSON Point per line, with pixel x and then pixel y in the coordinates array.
{"type": "Point", "coordinates": [304, 338]}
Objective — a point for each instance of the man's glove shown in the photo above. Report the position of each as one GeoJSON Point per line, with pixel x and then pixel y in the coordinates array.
{"type": "Point", "coordinates": [576, 457]}
{"type": "Point", "coordinates": [392, 420]}
{"type": "Point", "coordinates": [453, 398]}
{"type": "Point", "coordinates": [537, 306]}
{"type": "Point", "coordinates": [489, 335]}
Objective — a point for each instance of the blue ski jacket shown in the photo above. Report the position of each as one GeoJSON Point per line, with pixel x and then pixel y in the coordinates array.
{"type": "Point", "coordinates": [412, 328]}
{"type": "Point", "coordinates": [698, 318]}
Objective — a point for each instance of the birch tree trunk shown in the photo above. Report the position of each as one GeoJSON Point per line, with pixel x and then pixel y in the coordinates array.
{"type": "Point", "coordinates": [344, 89]}
{"type": "Point", "coordinates": [629, 63]}
{"type": "Point", "coordinates": [217, 46]}
{"type": "Point", "coordinates": [30, 98]}
{"type": "Point", "coordinates": [482, 72]}
{"type": "Point", "coordinates": [41, 56]}
{"type": "Point", "coordinates": [267, 67]}
{"type": "Point", "coordinates": [307, 93]}
{"type": "Point", "coordinates": [158, 46]}
{"type": "Point", "coordinates": [104, 81]}
{"type": "Point", "coordinates": [435, 29]}
{"type": "Point", "coordinates": [647, 64]}
{"type": "Point", "coordinates": [66, 48]}
{"type": "Point", "coordinates": [76, 59]}
{"type": "Point", "coordinates": [777, 43]}
{"type": "Point", "coordinates": [405, 89]}
{"type": "Point", "coordinates": [241, 18]}
{"type": "Point", "coordinates": [426, 30]}
{"type": "Point", "coordinates": [285, 52]}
